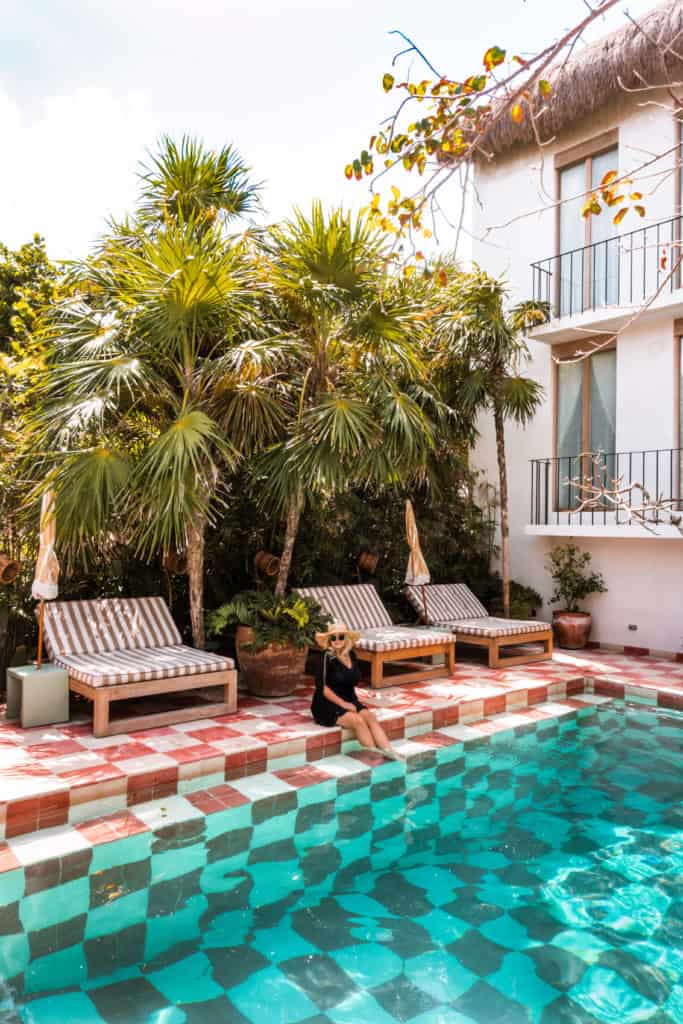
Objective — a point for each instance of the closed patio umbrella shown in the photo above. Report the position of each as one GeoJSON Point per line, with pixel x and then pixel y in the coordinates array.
{"type": "Point", "coordinates": [417, 573]}
{"type": "Point", "coordinates": [45, 586]}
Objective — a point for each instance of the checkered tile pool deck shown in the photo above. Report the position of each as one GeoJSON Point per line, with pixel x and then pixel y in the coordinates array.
{"type": "Point", "coordinates": [58, 775]}
{"type": "Point", "coordinates": [332, 894]}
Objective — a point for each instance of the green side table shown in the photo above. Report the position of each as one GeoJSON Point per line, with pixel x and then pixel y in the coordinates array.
{"type": "Point", "coordinates": [38, 696]}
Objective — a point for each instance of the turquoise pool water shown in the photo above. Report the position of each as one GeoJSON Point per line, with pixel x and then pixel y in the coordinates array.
{"type": "Point", "coordinates": [532, 877]}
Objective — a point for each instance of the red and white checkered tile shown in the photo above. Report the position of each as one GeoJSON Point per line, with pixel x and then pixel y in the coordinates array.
{"type": "Point", "coordinates": [58, 775]}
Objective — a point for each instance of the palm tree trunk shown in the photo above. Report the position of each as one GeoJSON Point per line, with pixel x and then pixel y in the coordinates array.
{"type": "Point", "coordinates": [499, 421]}
{"type": "Point", "coordinates": [292, 528]}
{"type": "Point", "coordinates": [196, 539]}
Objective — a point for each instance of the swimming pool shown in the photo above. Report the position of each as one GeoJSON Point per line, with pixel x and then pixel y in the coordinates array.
{"type": "Point", "coordinates": [534, 876]}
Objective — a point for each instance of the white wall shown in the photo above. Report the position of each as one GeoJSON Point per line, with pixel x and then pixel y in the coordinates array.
{"type": "Point", "coordinates": [645, 577]}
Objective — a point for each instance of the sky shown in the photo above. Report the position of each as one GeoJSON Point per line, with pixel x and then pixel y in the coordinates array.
{"type": "Point", "coordinates": [88, 86]}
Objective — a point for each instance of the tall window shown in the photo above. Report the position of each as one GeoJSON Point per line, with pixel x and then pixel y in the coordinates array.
{"type": "Point", "coordinates": [586, 421]}
{"type": "Point", "coordinates": [588, 247]}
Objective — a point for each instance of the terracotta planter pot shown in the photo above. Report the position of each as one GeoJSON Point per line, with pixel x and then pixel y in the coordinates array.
{"type": "Point", "coordinates": [571, 629]}
{"type": "Point", "coordinates": [272, 672]}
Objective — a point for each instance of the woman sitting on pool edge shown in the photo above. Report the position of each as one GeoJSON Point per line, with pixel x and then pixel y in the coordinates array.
{"type": "Point", "coordinates": [335, 701]}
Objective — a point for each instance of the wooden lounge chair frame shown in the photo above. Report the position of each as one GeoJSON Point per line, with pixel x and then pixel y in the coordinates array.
{"type": "Point", "coordinates": [360, 607]}
{"type": "Point", "coordinates": [103, 697]}
{"type": "Point", "coordinates": [75, 629]}
{"type": "Point", "coordinates": [420, 672]}
{"type": "Point", "coordinates": [461, 603]}
{"type": "Point", "coordinates": [494, 644]}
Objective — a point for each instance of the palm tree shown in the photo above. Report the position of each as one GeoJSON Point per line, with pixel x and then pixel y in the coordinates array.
{"type": "Point", "coordinates": [356, 374]}
{"type": "Point", "coordinates": [160, 382]}
{"type": "Point", "coordinates": [482, 346]}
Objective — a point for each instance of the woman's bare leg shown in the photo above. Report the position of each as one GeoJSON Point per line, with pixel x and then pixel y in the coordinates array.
{"type": "Point", "coordinates": [379, 736]}
{"type": "Point", "coordinates": [352, 720]}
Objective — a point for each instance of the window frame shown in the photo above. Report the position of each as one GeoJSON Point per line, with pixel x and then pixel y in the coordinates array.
{"type": "Point", "coordinates": [581, 153]}
{"type": "Point", "coordinates": [567, 350]}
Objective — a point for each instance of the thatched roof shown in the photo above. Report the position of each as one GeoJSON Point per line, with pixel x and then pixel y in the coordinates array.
{"type": "Point", "coordinates": [630, 57]}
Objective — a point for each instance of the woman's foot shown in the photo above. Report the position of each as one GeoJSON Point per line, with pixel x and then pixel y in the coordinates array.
{"type": "Point", "coordinates": [391, 753]}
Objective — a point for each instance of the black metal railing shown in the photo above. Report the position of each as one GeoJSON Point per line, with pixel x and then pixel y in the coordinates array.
{"type": "Point", "coordinates": [623, 270]}
{"type": "Point", "coordinates": [564, 490]}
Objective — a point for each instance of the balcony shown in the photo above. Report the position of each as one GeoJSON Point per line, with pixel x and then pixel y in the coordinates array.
{"type": "Point", "coordinates": [557, 505]}
{"type": "Point", "coordinates": [600, 282]}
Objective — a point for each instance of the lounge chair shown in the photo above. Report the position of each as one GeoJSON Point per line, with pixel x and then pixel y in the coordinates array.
{"type": "Point", "coordinates": [453, 606]}
{"type": "Point", "coordinates": [117, 648]}
{"type": "Point", "coordinates": [381, 642]}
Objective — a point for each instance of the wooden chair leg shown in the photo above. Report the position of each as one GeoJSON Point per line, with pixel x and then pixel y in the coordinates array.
{"type": "Point", "coordinates": [494, 661]}
{"type": "Point", "coordinates": [230, 693]}
{"type": "Point", "coordinates": [450, 658]}
{"type": "Point", "coordinates": [376, 670]}
{"type": "Point", "coordinates": [101, 714]}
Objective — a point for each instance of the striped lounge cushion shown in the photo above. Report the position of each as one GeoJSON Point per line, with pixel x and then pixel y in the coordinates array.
{"type": "Point", "coordinates": [358, 605]}
{"type": "Point", "coordinates": [491, 627]}
{"type": "Point", "coordinates": [446, 602]}
{"type": "Point", "coordinates": [401, 638]}
{"type": "Point", "coordinates": [108, 624]}
{"type": "Point", "coordinates": [109, 668]}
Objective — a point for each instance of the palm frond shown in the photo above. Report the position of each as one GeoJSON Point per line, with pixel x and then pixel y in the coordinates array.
{"type": "Point", "coordinates": [185, 181]}
{"type": "Point", "coordinates": [175, 479]}
{"type": "Point", "coordinates": [521, 397]}
{"type": "Point", "coordinates": [89, 488]}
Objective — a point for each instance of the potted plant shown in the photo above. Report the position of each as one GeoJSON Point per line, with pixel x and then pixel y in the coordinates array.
{"type": "Point", "coordinates": [272, 639]}
{"type": "Point", "coordinates": [568, 567]}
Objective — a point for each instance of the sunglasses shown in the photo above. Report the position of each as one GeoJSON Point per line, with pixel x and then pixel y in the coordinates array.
{"type": "Point", "coordinates": [337, 636]}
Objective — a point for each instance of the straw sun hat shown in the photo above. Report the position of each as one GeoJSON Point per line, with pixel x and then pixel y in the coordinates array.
{"type": "Point", "coordinates": [323, 639]}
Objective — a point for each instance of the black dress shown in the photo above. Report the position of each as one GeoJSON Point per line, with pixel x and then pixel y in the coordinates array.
{"type": "Point", "coordinates": [341, 680]}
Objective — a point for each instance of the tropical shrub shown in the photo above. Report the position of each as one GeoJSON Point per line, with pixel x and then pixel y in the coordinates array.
{"type": "Point", "coordinates": [290, 620]}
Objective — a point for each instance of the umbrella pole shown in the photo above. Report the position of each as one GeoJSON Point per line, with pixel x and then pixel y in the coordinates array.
{"type": "Point", "coordinates": [41, 614]}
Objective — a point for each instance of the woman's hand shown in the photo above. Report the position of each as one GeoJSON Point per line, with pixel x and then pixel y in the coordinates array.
{"type": "Point", "coordinates": [349, 707]}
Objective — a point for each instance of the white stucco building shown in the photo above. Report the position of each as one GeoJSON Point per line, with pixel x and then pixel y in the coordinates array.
{"type": "Point", "coordinates": [625, 399]}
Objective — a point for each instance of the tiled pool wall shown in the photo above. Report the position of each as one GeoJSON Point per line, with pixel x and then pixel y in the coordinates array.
{"type": "Point", "coordinates": [296, 879]}
{"type": "Point", "coordinates": [81, 800]}
{"type": "Point", "coordinates": [56, 801]}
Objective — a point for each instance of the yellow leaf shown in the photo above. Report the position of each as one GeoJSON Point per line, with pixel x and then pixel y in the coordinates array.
{"type": "Point", "coordinates": [493, 57]}
{"type": "Point", "coordinates": [395, 193]}
{"type": "Point", "coordinates": [608, 178]}
{"type": "Point", "coordinates": [587, 208]}
{"type": "Point", "coordinates": [613, 200]}
{"type": "Point", "coordinates": [544, 87]}
{"type": "Point", "coordinates": [640, 210]}
{"type": "Point", "coordinates": [619, 215]}
{"type": "Point", "coordinates": [517, 113]}
{"type": "Point", "coordinates": [636, 195]}
{"type": "Point", "coordinates": [348, 171]}
{"type": "Point", "coordinates": [387, 82]}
